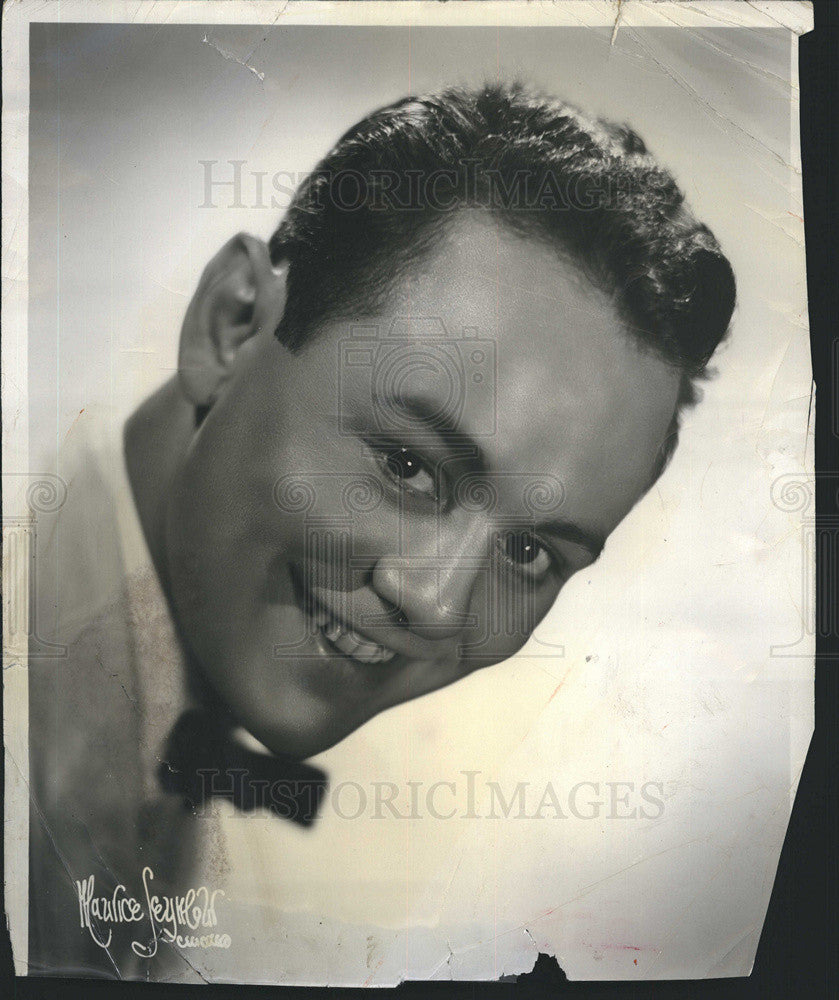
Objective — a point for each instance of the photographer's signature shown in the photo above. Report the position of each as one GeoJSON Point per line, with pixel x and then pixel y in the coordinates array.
{"type": "Point", "coordinates": [182, 921]}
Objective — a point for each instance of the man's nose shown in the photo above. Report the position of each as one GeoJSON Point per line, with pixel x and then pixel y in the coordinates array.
{"type": "Point", "coordinates": [433, 583]}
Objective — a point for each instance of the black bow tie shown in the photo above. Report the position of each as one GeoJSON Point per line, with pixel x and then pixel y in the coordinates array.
{"type": "Point", "coordinates": [203, 761]}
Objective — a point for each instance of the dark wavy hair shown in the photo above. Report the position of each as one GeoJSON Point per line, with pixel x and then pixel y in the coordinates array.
{"type": "Point", "coordinates": [376, 204]}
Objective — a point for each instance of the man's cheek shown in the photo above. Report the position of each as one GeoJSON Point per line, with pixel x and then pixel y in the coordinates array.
{"type": "Point", "coordinates": [505, 620]}
{"type": "Point", "coordinates": [517, 605]}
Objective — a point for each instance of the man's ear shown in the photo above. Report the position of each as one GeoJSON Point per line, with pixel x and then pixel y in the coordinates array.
{"type": "Point", "coordinates": [240, 293]}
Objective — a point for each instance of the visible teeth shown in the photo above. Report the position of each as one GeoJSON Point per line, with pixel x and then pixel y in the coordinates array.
{"type": "Point", "coordinates": [352, 644]}
{"type": "Point", "coordinates": [320, 616]}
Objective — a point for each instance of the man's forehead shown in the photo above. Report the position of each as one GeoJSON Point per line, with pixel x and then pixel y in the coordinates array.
{"type": "Point", "coordinates": [557, 339]}
{"type": "Point", "coordinates": [573, 392]}
{"type": "Point", "coordinates": [555, 384]}
{"type": "Point", "coordinates": [479, 265]}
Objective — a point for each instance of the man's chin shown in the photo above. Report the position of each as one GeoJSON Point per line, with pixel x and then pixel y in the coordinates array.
{"type": "Point", "coordinates": [297, 743]}
{"type": "Point", "coordinates": [310, 730]}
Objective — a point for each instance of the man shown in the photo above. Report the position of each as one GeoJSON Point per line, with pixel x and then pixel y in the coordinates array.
{"type": "Point", "coordinates": [396, 431]}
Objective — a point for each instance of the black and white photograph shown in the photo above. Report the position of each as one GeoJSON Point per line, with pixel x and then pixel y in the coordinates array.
{"type": "Point", "coordinates": [408, 488]}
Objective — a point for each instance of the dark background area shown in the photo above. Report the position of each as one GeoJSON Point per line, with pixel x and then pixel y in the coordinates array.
{"type": "Point", "coordinates": [799, 947]}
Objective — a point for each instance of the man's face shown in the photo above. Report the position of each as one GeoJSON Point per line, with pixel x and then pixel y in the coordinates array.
{"type": "Point", "coordinates": [401, 502]}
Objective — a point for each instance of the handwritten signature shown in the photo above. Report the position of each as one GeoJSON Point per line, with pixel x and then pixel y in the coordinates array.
{"type": "Point", "coordinates": [172, 919]}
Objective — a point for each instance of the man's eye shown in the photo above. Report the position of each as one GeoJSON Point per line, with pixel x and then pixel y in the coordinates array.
{"type": "Point", "coordinates": [409, 470]}
{"type": "Point", "coordinates": [526, 554]}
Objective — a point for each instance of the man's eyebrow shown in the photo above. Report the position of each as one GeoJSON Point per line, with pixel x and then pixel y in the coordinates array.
{"type": "Point", "coordinates": [442, 423]}
{"type": "Point", "coordinates": [591, 540]}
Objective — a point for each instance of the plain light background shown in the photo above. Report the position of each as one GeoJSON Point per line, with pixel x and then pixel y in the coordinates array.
{"type": "Point", "coordinates": [667, 674]}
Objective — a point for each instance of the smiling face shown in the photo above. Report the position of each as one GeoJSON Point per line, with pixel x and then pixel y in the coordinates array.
{"type": "Point", "coordinates": [388, 509]}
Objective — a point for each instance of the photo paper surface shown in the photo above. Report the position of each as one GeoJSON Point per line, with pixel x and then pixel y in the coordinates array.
{"type": "Point", "coordinates": [407, 488]}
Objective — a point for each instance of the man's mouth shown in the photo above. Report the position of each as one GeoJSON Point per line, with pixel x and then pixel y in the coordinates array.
{"type": "Point", "coordinates": [336, 636]}
{"type": "Point", "coordinates": [350, 643]}
{"type": "Point", "coordinates": [347, 641]}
